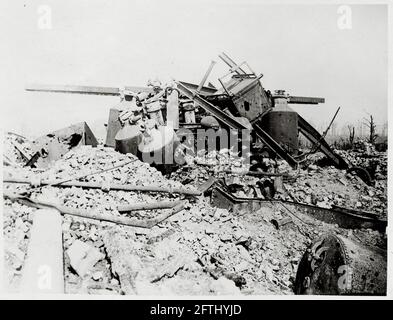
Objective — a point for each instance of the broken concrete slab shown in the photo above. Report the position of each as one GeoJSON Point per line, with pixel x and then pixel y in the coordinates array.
{"type": "Point", "coordinates": [224, 286]}
{"type": "Point", "coordinates": [83, 257]}
{"type": "Point", "coordinates": [43, 270]}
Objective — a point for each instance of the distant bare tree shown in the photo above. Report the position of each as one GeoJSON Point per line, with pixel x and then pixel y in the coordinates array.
{"type": "Point", "coordinates": [351, 138]}
{"type": "Point", "coordinates": [372, 129]}
{"type": "Point", "coordinates": [334, 129]}
{"type": "Point", "coordinates": [384, 129]}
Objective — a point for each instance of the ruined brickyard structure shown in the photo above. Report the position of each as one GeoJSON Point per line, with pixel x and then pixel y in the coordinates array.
{"type": "Point", "coordinates": [195, 191]}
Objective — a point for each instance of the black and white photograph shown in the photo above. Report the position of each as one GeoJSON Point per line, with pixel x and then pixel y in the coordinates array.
{"type": "Point", "coordinates": [231, 149]}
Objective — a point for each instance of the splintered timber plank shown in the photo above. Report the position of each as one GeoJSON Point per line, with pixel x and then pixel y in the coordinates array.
{"type": "Point", "coordinates": [172, 113]}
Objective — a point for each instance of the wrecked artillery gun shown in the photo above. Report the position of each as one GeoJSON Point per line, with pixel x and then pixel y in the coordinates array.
{"type": "Point", "coordinates": [147, 114]}
{"type": "Point", "coordinates": [151, 119]}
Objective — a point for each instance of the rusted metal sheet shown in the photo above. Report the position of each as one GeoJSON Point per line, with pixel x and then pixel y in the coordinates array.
{"type": "Point", "coordinates": [335, 265]}
{"type": "Point", "coordinates": [204, 90]}
{"type": "Point", "coordinates": [274, 146]}
{"type": "Point", "coordinates": [55, 144]}
{"type": "Point", "coordinates": [128, 139]}
{"type": "Point", "coordinates": [282, 125]}
{"type": "Point", "coordinates": [251, 101]}
{"type": "Point", "coordinates": [343, 219]}
{"type": "Point", "coordinates": [113, 127]}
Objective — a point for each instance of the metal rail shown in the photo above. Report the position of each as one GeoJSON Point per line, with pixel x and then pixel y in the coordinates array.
{"type": "Point", "coordinates": [343, 218]}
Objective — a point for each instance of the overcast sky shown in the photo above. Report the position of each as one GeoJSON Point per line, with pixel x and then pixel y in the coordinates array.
{"type": "Point", "coordinates": [299, 48]}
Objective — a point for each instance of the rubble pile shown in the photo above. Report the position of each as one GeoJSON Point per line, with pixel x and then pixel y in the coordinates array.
{"type": "Point", "coordinates": [17, 150]}
{"type": "Point", "coordinates": [203, 164]}
{"type": "Point", "coordinates": [17, 222]}
{"type": "Point", "coordinates": [200, 250]}
{"type": "Point", "coordinates": [225, 221]}
{"type": "Point", "coordinates": [375, 162]}
{"type": "Point", "coordinates": [226, 165]}
{"type": "Point", "coordinates": [329, 186]}
{"type": "Point", "coordinates": [312, 184]}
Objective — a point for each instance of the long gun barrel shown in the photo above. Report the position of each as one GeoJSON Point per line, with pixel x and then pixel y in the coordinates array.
{"type": "Point", "coordinates": [102, 91]}
{"type": "Point", "coordinates": [305, 100]}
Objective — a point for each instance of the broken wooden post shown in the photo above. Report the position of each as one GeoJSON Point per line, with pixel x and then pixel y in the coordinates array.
{"type": "Point", "coordinates": [148, 206]}
{"type": "Point", "coordinates": [172, 113]}
{"type": "Point", "coordinates": [278, 184]}
{"type": "Point", "coordinates": [43, 270]}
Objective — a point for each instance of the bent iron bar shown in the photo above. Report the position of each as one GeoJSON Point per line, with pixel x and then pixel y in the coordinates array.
{"type": "Point", "coordinates": [95, 215]}
{"type": "Point", "coordinates": [95, 185]}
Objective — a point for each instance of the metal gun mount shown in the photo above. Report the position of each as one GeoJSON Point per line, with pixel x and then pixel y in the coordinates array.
{"type": "Point", "coordinates": [240, 103]}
